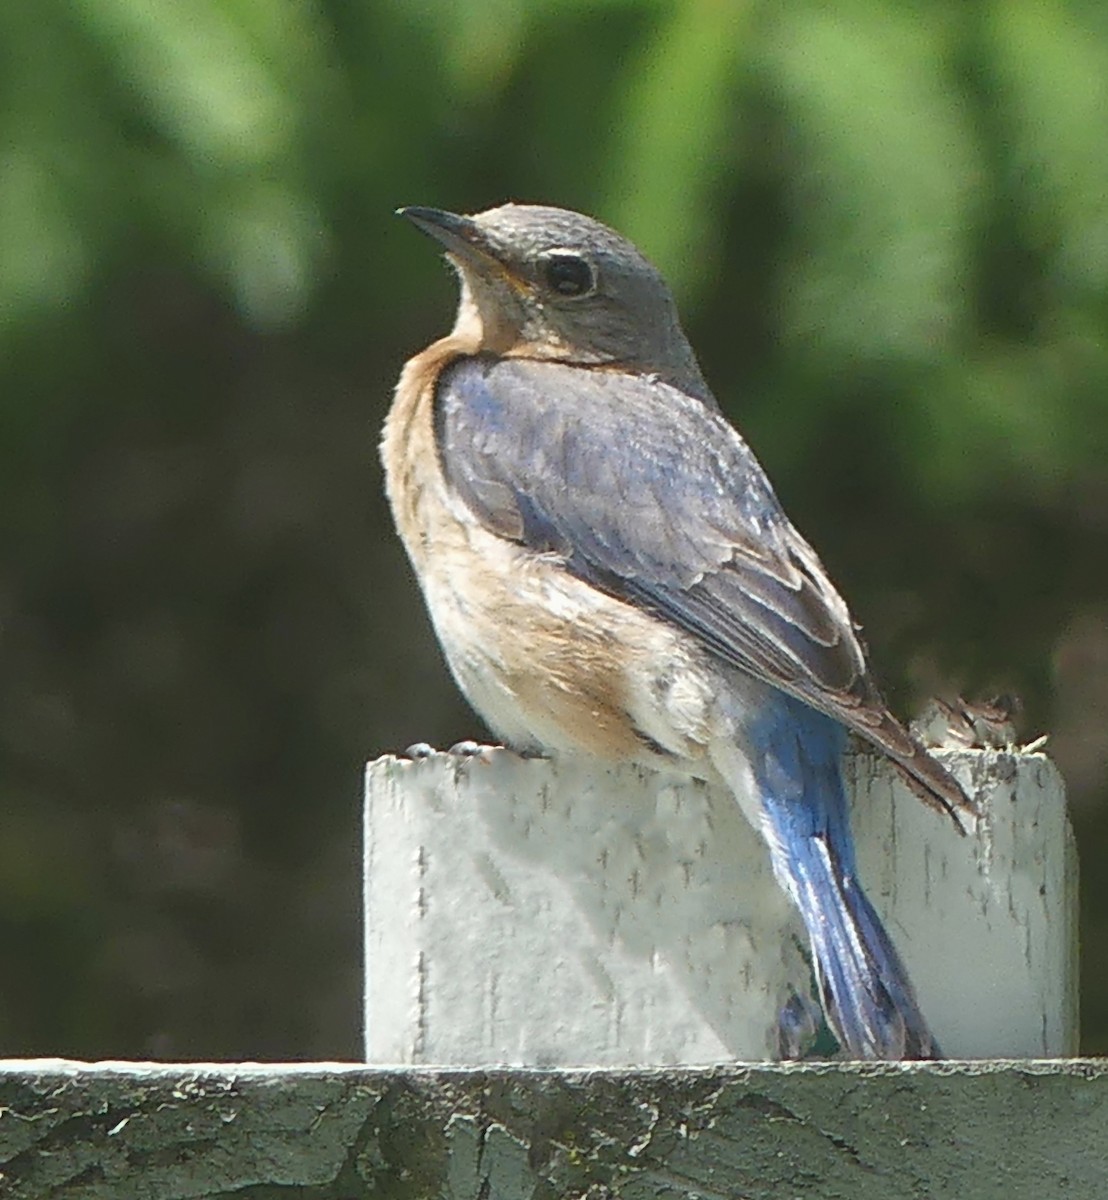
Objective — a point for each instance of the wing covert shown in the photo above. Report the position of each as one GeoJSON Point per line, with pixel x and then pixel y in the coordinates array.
{"type": "Point", "coordinates": [654, 497]}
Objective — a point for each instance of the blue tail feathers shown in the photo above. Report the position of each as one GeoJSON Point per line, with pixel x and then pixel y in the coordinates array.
{"type": "Point", "coordinates": [866, 994]}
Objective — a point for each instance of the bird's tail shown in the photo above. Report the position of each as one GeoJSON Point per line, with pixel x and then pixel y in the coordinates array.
{"type": "Point", "coordinates": [866, 994]}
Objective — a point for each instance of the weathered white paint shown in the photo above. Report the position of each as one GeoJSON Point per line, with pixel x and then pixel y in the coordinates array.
{"type": "Point", "coordinates": [536, 913]}
{"type": "Point", "coordinates": [988, 922]}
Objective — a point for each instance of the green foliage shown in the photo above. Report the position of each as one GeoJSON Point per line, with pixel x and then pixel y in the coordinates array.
{"type": "Point", "coordinates": [887, 225]}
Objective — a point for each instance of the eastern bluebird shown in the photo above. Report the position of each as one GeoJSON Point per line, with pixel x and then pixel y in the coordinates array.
{"type": "Point", "coordinates": [609, 573]}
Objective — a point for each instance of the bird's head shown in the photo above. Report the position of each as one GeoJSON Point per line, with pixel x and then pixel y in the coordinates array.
{"type": "Point", "coordinates": [548, 283]}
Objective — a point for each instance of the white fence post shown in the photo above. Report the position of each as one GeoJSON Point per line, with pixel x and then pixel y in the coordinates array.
{"type": "Point", "coordinates": [535, 913]}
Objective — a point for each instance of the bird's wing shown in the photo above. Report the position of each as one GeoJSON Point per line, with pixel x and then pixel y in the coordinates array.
{"type": "Point", "coordinates": [653, 497]}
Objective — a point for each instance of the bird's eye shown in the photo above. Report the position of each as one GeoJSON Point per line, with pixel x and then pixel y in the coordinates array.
{"type": "Point", "coordinates": [568, 274]}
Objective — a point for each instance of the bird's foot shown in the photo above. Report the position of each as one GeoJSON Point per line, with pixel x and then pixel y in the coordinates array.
{"type": "Point", "coordinates": [468, 748]}
{"type": "Point", "coordinates": [798, 1024]}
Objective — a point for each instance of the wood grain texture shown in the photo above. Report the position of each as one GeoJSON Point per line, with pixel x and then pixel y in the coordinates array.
{"type": "Point", "coordinates": [134, 1131]}
{"type": "Point", "coordinates": [543, 913]}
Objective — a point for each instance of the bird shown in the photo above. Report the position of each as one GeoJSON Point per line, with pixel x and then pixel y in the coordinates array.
{"type": "Point", "coordinates": [610, 574]}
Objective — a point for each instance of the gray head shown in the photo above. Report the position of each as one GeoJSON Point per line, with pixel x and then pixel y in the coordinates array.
{"type": "Point", "coordinates": [550, 283]}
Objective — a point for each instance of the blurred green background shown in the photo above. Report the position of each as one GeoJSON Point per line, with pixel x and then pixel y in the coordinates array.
{"type": "Point", "coordinates": [887, 225]}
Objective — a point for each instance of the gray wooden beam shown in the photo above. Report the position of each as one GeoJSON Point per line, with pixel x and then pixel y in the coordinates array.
{"type": "Point", "coordinates": [880, 1131]}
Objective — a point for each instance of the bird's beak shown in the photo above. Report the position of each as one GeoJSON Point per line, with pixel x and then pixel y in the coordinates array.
{"type": "Point", "coordinates": [460, 236]}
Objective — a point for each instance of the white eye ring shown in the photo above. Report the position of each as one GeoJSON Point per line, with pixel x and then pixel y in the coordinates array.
{"type": "Point", "coordinates": [567, 273]}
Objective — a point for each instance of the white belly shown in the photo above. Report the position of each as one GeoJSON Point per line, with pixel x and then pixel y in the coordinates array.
{"type": "Point", "coordinates": [553, 664]}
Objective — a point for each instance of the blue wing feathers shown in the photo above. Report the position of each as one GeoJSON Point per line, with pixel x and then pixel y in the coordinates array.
{"type": "Point", "coordinates": [655, 497]}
